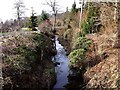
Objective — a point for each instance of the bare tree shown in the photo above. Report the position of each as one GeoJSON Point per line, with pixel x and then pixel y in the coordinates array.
{"type": "Point", "coordinates": [20, 9]}
{"type": "Point", "coordinates": [54, 6]}
{"type": "Point", "coordinates": [81, 2]}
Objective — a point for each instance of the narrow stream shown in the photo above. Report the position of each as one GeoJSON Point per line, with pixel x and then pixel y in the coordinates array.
{"type": "Point", "coordinates": [62, 70]}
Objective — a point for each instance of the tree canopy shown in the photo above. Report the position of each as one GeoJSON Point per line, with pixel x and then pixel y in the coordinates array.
{"type": "Point", "coordinates": [73, 10]}
{"type": "Point", "coordinates": [33, 22]}
{"type": "Point", "coordinates": [44, 16]}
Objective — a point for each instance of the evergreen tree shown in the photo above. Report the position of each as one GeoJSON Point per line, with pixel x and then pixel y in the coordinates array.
{"type": "Point", "coordinates": [66, 9]}
{"type": "Point", "coordinates": [44, 16]}
{"type": "Point", "coordinates": [73, 10]}
{"type": "Point", "coordinates": [33, 22]}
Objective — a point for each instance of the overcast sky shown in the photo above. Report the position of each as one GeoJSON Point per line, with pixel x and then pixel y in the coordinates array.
{"type": "Point", "coordinates": [7, 7]}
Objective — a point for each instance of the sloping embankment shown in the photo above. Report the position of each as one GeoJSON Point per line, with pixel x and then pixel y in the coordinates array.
{"type": "Point", "coordinates": [26, 57]}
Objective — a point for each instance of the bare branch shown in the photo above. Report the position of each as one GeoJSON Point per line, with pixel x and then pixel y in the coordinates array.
{"type": "Point", "coordinates": [20, 9]}
{"type": "Point", "coordinates": [47, 3]}
{"type": "Point", "coordinates": [54, 7]}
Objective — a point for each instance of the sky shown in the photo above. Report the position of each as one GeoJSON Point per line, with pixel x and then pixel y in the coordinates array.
{"type": "Point", "coordinates": [7, 10]}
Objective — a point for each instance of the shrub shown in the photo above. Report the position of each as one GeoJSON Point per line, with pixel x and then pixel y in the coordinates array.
{"type": "Point", "coordinates": [74, 10]}
{"type": "Point", "coordinates": [67, 33]}
{"type": "Point", "coordinates": [45, 45]}
{"type": "Point", "coordinates": [33, 22]}
{"type": "Point", "coordinates": [80, 46]}
{"type": "Point", "coordinates": [25, 58]}
{"type": "Point", "coordinates": [76, 57]}
{"type": "Point", "coordinates": [93, 11]}
{"type": "Point", "coordinates": [88, 24]}
{"type": "Point", "coordinates": [20, 60]}
{"type": "Point", "coordinates": [82, 42]}
{"type": "Point", "coordinates": [44, 16]}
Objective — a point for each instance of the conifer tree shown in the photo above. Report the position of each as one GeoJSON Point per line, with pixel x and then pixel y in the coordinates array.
{"type": "Point", "coordinates": [44, 16]}
{"type": "Point", "coordinates": [33, 22]}
{"type": "Point", "coordinates": [73, 10]}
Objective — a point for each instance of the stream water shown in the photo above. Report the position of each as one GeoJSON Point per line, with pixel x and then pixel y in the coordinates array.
{"type": "Point", "coordinates": [65, 76]}
{"type": "Point", "coordinates": [62, 70]}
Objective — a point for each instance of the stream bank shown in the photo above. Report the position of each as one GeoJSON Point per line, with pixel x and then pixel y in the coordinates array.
{"type": "Point", "coordinates": [27, 61]}
{"type": "Point", "coordinates": [67, 78]}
